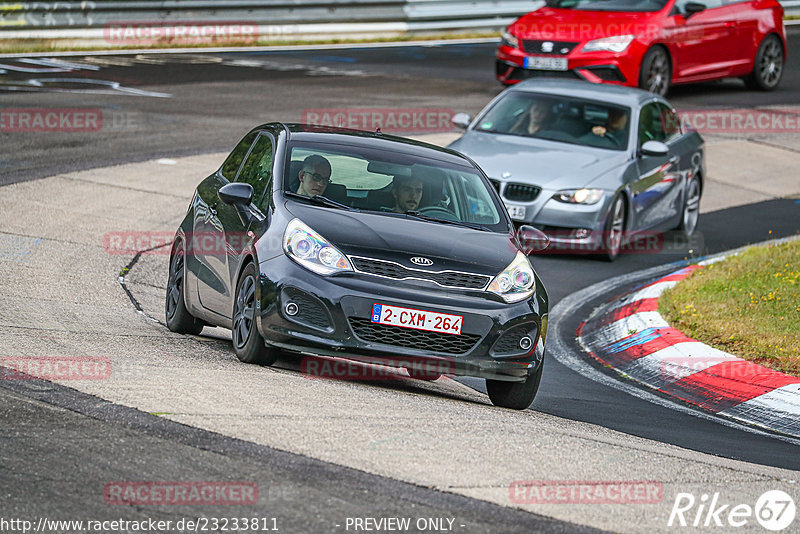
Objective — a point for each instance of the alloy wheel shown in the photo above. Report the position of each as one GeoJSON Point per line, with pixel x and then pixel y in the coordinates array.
{"type": "Point", "coordinates": [244, 312]}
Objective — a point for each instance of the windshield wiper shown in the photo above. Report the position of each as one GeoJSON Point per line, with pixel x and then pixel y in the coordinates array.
{"type": "Point", "coordinates": [321, 200]}
{"type": "Point", "coordinates": [474, 226]}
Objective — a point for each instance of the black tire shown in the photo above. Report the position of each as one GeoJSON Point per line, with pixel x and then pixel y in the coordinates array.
{"type": "Point", "coordinates": [614, 229]}
{"type": "Point", "coordinates": [419, 374]}
{"type": "Point", "coordinates": [768, 65]}
{"type": "Point", "coordinates": [178, 317]}
{"type": "Point", "coordinates": [656, 73]}
{"type": "Point", "coordinates": [247, 341]}
{"type": "Point", "coordinates": [515, 395]}
{"type": "Point", "coordinates": [691, 208]}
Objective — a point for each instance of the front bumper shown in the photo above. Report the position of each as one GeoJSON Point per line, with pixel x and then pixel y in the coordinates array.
{"type": "Point", "coordinates": [333, 319]}
{"type": "Point", "coordinates": [595, 67]}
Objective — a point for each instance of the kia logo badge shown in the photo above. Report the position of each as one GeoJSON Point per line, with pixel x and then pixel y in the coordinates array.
{"type": "Point", "coordinates": [419, 260]}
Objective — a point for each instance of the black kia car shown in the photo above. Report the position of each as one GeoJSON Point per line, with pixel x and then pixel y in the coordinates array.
{"type": "Point", "coordinates": [362, 246]}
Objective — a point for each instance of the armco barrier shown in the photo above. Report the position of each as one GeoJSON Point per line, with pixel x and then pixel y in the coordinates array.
{"type": "Point", "coordinates": [300, 19]}
{"type": "Point", "coordinates": [274, 19]}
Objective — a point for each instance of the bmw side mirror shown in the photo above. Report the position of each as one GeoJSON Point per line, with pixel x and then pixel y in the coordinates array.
{"type": "Point", "coordinates": [532, 239]}
{"type": "Point", "coordinates": [236, 193]}
{"type": "Point", "coordinates": [654, 148]}
{"type": "Point", "coordinates": [461, 120]}
{"type": "Point", "coordinates": [692, 8]}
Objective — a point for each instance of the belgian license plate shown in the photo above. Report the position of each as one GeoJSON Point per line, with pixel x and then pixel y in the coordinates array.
{"type": "Point", "coordinates": [545, 63]}
{"type": "Point", "coordinates": [516, 212]}
{"type": "Point", "coordinates": [418, 319]}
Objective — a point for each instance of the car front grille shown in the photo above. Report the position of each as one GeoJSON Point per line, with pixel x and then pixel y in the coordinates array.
{"type": "Point", "coordinates": [390, 269]}
{"type": "Point", "coordinates": [554, 48]}
{"type": "Point", "coordinates": [410, 338]}
{"type": "Point", "coordinates": [495, 184]}
{"type": "Point", "coordinates": [521, 192]}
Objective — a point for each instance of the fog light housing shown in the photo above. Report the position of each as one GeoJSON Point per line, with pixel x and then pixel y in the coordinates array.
{"type": "Point", "coordinates": [525, 343]}
{"type": "Point", "coordinates": [291, 309]}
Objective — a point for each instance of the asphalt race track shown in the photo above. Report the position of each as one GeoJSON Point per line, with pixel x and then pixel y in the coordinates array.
{"type": "Point", "coordinates": [60, 445]}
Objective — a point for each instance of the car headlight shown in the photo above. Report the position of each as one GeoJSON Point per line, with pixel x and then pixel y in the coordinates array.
{"type": "Point", "coordinates": [312, 251]}
{"type": "Point", "coordinates": [516, 282]}
{"type": "Point", "coordinates": [509, 39]}
{"type": "Point", "coordinates": [617, 44]}
{"type": "Point", "coordinates": [579, 196]}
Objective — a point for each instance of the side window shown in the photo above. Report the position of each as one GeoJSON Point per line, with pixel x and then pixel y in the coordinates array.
{"type": "Point", "coordinates": [257, 169]}
{"type": "Point", "coordinates": [233, 162]}
{"type": "Point", "coordinates": [670, 123]}
{"type": "Point", "coordinates": [651, 125]}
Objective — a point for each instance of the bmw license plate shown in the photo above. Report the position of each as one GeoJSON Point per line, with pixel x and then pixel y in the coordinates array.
{"type": "Point", "coordinates": [545, 63]}
{"type": "Point", "coordinates": [418, 319]}
{"type": "Point", "coordinates": [516, 212]}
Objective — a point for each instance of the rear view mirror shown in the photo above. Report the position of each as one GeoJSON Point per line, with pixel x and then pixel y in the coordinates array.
{"type": "Point", "coordinates": [236, 193]}
{"type": "Point", "coordinates": [532, 239]}
{"type": "Point", "coordinates": [461, 120]}
{"type": "Point", "coordinates": [654, 148]}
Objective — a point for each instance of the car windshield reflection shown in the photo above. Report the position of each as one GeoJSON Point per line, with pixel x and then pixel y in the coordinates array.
{"type": "Point", "coordinates": [561, 119]}
{"type": "Point", "coordinates": [391, 183]}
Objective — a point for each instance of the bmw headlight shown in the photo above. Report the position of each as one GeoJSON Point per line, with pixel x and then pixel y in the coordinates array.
{"type": "Point", "coordinates": [312, 251]}
{"type": "Point", "coordinates": [579, 196]}
{"type": "Point", "coordinates": [617, 44]}
{"type": "Point", "coordinates": [509, 39]}
{"type": "Point", "coordinates": [516, 282]}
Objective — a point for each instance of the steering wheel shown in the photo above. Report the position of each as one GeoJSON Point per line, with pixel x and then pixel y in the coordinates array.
{"type": "Point", "coordinates": [440, 212]}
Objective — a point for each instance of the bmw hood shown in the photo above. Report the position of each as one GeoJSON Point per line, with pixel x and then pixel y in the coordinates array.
{"type": "Point", "coordinates": [399, 239]}
{"type": "Point", "coordinates": [546, 164]}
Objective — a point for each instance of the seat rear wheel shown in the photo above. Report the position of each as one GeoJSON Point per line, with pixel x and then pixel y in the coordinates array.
{"type": "Point", "coordinates": [178, 317]}
{"type": "Point", "coordinates": [768, 65]}
{"type": "Point", "coordinates": [247, 341]}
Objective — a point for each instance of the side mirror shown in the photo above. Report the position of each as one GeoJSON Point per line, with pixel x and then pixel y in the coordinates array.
{"type": "Point", "coordinates": [692, 8]}
{"type": "Point", "coordinates": [654, 148]}
{"type": "Point", "coordinates": [461, 120]}
{"type": "Point", "coordinates": [532, 239]}
{"type": "Point", "coordinates": [236, 193]}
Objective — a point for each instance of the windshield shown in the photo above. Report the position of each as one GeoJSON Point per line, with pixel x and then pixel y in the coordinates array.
{"type": "Point", "coordinates": [609, 5]}
{"type": "Point", "coordinates": [560, 119]}
{"type": "Point", "coordinates": [391, 183]}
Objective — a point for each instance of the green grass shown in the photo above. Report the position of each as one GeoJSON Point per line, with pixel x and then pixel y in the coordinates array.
{"type": "Point", "coordinates": [19, 46]}
{"type": "Point", "coordinates": [747, 305]}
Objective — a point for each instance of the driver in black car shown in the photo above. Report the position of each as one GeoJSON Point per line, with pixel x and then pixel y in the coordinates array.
{"type": "Point", "coordinates": [407, 193]}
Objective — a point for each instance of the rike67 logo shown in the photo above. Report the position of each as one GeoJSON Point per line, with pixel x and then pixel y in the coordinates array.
{"type": "Point", "coordinates": [774, 510]}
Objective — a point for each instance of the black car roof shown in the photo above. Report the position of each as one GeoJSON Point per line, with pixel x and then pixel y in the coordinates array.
{"type": "Point", "coordinates": [330, 134]}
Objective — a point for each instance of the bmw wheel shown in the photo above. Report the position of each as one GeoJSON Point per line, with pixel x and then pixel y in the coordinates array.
{"type": "Point", "coordinates": [247, 341]}
{"type": "Point", "coordinates": [614, 229]}
{"type": "Point", "coordinates": [178, 317]}
{"type": "Point", "coordinates": [691, 208]}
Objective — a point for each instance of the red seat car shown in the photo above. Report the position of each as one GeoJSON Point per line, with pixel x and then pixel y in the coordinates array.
{"type": "Point", "coordinates": [650, 44]}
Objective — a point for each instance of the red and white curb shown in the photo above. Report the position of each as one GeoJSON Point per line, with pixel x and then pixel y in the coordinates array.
{"type": "Point", "coordinates": [629, 335]}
